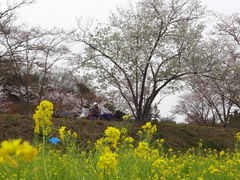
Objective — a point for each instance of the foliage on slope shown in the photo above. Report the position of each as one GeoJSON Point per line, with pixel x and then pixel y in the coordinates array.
{"type": "Point", "coordinates": [177, 136]}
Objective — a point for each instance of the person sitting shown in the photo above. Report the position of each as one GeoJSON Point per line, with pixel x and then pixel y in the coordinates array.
{"type": "Point", "coordinates": [105, 112]}
{"type": "Point", "coordinates": [95, 112]}
{"type": "Point", "coordinates": [118, 115]}
{"type": "Point", "coordinates": [85, 112]}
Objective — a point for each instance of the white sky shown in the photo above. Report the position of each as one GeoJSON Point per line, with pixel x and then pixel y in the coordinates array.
{"type": "Point", "coordinates": [63, 14]}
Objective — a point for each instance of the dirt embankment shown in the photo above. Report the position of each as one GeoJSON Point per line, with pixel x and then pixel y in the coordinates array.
{"type": "Point", "coordinates": [177, 136]}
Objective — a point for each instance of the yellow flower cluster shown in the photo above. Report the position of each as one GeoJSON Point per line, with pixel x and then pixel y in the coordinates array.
{"type": "Point", "coordinates": [127, 117]}
{"type": "Point", "coordinates": [124, 131]}
{"type": "Point", "coordinates": [74, 134]}
{"type": "Point", "coordinates": [145, 161]}
{"type": "Point", "coordinates": [62, 132]}
{"type": "Point", "coordinates": [238, 136]}
{"type": "Point", "coordinates": [160, 142]}
{"type": "Point", "coordinates": [144, 151]}
{"type": "Point", "coordinates": [238, 142]}
{"type": "Point", "coordinates": [13, 150]}
{"type": "Point", "coordinates": [68, 133]}
{"type": "Point", "coordinates": [42, 118]}
{"type": "Point", "coordinates": [99, 144]}
{"type": "Point", "coordinates": [221, 153]}
{"type": "Point", "coordinates": [139, 133]}
{"type": "Point", "coordinates": [112, 136]}
{"type": "Point", "coordinates": [213, 170]}
{"type": "Point", "coordinates": [148, 127]}
{"type": "Point", "coordinates": [128, 140]}
{"type": "Point", "coordinates": [160, 168]}
{"type": "Point", "coordinates": [159, 163]}
{"type": "Point", "coordinates": [107, 162]}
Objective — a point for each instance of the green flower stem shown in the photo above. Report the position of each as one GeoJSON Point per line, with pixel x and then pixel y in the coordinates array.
{"type": "Point", "coordinates": [43, 154]}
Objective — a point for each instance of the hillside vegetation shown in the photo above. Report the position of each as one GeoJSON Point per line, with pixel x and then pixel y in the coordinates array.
{"type": "Point", "coordinates": [177, 136]}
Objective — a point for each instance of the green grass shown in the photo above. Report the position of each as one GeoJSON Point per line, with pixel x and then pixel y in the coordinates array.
{"type": "Point", "coordinates": [69, 160]}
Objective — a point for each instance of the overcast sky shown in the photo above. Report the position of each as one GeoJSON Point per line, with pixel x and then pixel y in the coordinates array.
{"type": "Point", "coordinates": [63, 13]}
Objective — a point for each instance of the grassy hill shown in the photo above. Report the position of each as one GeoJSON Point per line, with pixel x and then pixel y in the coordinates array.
{"type": "Point", "coordinates": [177, 136]}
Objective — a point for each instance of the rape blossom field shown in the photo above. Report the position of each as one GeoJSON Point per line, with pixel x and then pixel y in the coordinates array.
{"type": "Point", "coordinates": [114, 156]}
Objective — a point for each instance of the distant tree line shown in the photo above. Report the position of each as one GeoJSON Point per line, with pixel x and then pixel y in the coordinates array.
{"type": "Point", "coordinates": [215, 95]}
{"type": "Point", "coordinates": [154, 47]}
{"type": "Point", "coordinates": [31, 67]}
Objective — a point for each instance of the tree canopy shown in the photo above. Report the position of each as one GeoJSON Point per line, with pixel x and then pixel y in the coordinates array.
{"type": "Point", "coordinates": [146, 48]}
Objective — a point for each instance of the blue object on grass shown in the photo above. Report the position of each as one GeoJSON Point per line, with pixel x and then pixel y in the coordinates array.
{"type": "Point", "coordinates": [54, 140]}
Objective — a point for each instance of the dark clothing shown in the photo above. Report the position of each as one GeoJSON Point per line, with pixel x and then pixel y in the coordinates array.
{"type": "Point", "coordinates": [107, 116]}
{"type": "Point", "coordinates": [118, 115]}
{"type": "Point", "coordinates": [96, 111]}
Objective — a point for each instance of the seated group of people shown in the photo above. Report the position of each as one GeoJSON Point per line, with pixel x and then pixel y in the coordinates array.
{"type": "Point", "coordinates": [100, 112]}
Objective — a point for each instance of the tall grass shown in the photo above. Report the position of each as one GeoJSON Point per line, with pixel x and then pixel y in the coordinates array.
{"type": "Point", "coordinates": [67, 162]}
{"type": "Point", "coordinates": [116, 156]}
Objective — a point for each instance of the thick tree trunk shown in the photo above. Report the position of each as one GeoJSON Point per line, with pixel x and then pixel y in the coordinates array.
{"type": "Point", "coordinates": [142, 114]}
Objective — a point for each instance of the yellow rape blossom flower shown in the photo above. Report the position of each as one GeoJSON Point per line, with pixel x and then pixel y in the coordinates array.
{"type": "Point", "coordinates": [10, 146]}
{"type": "Point", "coordinates": [26, 151]}
{"type": "Point", "coordinates": [143, 151]}
{"type": "Point", "coordinates": [170, 150]}
{"type": "Point", "coordinates": [62, 132]}
{"type": "Point", "coordinates": [66, 135]}
{"type": "Point", "coordinates": [128, 139]}
{"type": "Point", "coordinates": [1, 159]}
{"type": "Point", "coordinates": [12, 149]}
{"type": "Point", "coordinates": [99, 143]}
{"type": "Point", "coordinates": [153, 129]}
{"type": "Point", "coordinates": [108, 162]}
{"type": "Point", "coordinates": [69, 132]}
{"type": "Point", "coordinates": [112, 132]}
{"type": "Point", "coordinates": [237, 136]}
{"type": "Point", "coordinates": [112, 136]}
{"type": "Point", "coordinates": [124, 131]}
{"type": "Point", "coordinates": [127, 117]}
{"type": "Point", "coordinates": [42, 117]}
{"type": "Point", "coordinates": [159, 163]}
{"type": "Point", "coordinates": [221, 153]}
{"type": "Point", "coordinates": [213, 170]}
{"type": "Point", "coordinates": [148, 127]}
{"type": "Point", "coordinates": [74, 134]}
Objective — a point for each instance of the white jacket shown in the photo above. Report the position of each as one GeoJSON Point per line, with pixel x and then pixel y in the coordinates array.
{"type": "Point", "coordinates": [85, 112]}
{"type": "Point", "coordinates": [104, 110]}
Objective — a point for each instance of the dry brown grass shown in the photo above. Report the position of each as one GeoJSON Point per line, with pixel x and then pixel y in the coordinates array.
{"type": "Point", "coordinates": [177, 136]}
